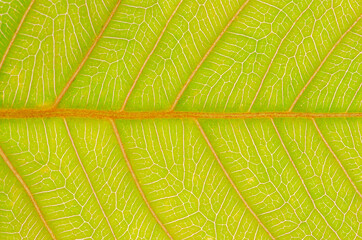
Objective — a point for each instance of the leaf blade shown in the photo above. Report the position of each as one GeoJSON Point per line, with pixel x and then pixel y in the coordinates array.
{"type": "Point", "coordinates": [230, 163]}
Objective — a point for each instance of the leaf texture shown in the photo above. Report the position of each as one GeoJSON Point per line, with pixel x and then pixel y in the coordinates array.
{"type": "Point", "coordinates": [180, 119]}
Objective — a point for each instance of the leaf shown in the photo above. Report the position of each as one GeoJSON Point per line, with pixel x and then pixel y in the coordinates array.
{"type": "Point", "coordinates": [181, 119]}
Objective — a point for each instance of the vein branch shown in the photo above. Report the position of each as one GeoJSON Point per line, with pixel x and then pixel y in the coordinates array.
{"type": "Point", "coordinates": [88, 179]}
{"type": "Point", "coordinates": [86, 56]}
{"type": "Point", "coordinates": [301, 179]}
{"type": "Point", "coordinates": [206, 55]}
{"type": "Point", "coordinates": [28, 192]}
{"type": "Point", "coordinates": [274, 56]}
{"type": "Point", "coordinates": [149, 56]}
{"type": "Point", "coordinates": [335, 157]}
{"type": "Point", "coordinates": [229, 178]}
{"type": "Point", "coordinates": [322, 63]}
{"type": "Point", "coordinates": [138, 185]}
{"type": "Point", "coordinates": [354, 97]}
{"type": "Point", "coordinates": [7, 50]}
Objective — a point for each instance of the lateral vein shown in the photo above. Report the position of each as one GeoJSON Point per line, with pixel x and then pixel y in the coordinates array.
{"type": "Point", "coordinates": [300, 177]}
{"type": "Point", "coordinates": [322, 63]}
{"type": "Point", "coordinates": [274, 56]}
{"type": "Point", "coordinates": [206, 55]}
{"type": "Point", "coordinates": [335, 157]}
{"type": "Point", "coordinates": [16, 34]}
{"type": "Point", "coordinates": [138, 185]}
{"type": "Point", "coordinates": [28, 192]}
{"type": "Point", "coordinates": [149, 56]}
{"type": "Point", "coordinates": [229, 178]}
{"type": "Point", "coordinates": [86, 56]}
{"type": "Point", "coordinates": [88, 179]}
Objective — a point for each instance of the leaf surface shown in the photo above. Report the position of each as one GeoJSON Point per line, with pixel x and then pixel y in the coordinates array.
{"type": "Point", "coordinates": [181, 119]}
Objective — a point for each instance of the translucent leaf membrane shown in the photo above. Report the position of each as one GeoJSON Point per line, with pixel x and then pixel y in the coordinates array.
{"type": "Point", "coordinates": [339, 80]}
{"type": "Point", "coordinates": [284, 180]}
{"type": "Point", "coordinates": [52, 170]}
{"type": "Point", "coordinates": [269, 54]}
{"type": "Point", "coordinates": [18, 218]}
{"type": "Point", "coordinates": [47, 50]}
{"type": "Point", "coordinates": [236, 56]}
{"type": "Point", "coordinates": [108, 75]}
{"type": "Point", "coordinates": [229, 78]}
{"type": "Point", "coordinates": [192, 31]}
{"type": "Point", "coordinates": [186, 119]}
{"type": "Point", "coordinates": [330, 185]}
{"type": "Point", "coordinates": [345, 137]}
{"type": "Point", "coordinates": [184, 182]}
{"type": "Point", "coordinates": [283, 168]}
{"type": "Point", "coordinates": [10, 17]}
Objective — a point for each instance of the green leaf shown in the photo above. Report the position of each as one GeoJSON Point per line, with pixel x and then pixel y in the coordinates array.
{"type": "Point", "coordinates": [180, 119]}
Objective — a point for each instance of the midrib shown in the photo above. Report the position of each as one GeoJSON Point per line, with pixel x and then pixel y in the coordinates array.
{"type": "Point", "coordinates": [104, 114]}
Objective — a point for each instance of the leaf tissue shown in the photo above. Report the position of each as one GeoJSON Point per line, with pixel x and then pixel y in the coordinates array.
{"type": "Point", "coordinates": [180, 119]}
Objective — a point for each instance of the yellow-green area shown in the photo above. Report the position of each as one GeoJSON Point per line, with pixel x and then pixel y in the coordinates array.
{"type": "Point", "coordinates": [181, 178]}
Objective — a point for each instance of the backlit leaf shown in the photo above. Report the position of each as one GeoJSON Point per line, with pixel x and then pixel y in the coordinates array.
{"type": "Point", "coordinates": [180, 119]}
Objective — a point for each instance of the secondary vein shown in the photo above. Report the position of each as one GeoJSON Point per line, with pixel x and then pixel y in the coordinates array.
{"type": "Point", "coordinates": [15, 34]}
{"type": "Point", "coordinates": [335, 157]}
{"type": "Point", "coordinates": [230, 180]}
{"type": "Point", "coordinates": [301, 179]}
{"type": "Point", "coordinates": [322, 63]}
{"type": "Point", "coordinates": [28, 192]}
{"type": "Point", "coordinates": [88, 179]}
{"type": "Point", "coordinates": [149, 56]}
{"type": "Point", "coordinates": [275, 54]}
{"type": "Point", "coordinates": [138, 185]}
{"type": "Point", "coordinates": [86, 56]}
{"type": "Point", "coordinates": [206, 55]}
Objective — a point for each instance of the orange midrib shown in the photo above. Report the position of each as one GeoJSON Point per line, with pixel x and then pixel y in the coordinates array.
{"type": "Point", "coordinates": [102, 114]}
